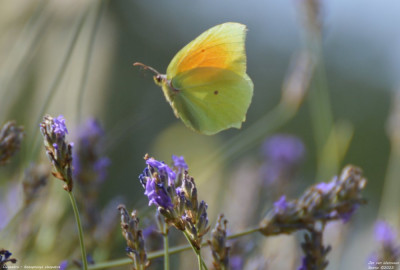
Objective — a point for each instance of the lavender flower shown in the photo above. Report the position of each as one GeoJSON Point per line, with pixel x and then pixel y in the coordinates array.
{"type": "Point", "coordinates": [303, 265]}
{"type": "Point", "coordinates": [320, 203]}
{"type": "Point", "coordinates": [58, 150]}
{"type": "Point", "coordinates": [314, 250]}
{"type": "Point", "coordinates": [63, 265]}
{"type": "Point", "coordinates": [5, 257]}
{"type": "Point", "coordinates": [10, 140]}
{"type": "Point", "coordinates": [134, 238]}
{"type": "Point", "coordinates": [59, 126]}
{"type": "Point", "coordinates": [386, 236]}
{"type": "Point", "coordinates": [164, 170]}
{"type": "Point", "coordinates": [281, 205]}
{"type": "Point", "coordinates": [236, 263]}
{"type": "Point", "coordinates": [175, 197]}
{"type": "Point", "coordinates": [36, 177]}
{"type": "Point", "coordinates": [157, 194]}
{"type": "Point", "coordinates": [284, 148]}
{"type": "Point", "coordinates": [384, 233]}
{"type": "Point", "coordinates": [195, 213]}
{"type": "Point", "coordinates": [325, 188]}
{"type": "Point", "coordinates": [219, 248]}
{"type": "Point", "coordinates": [150, 230]}
{"type": "Point", "coordinates": [179, 162]}
{"type": "Point", "coordinates": [90, 166]}
{"type": "Point", "coordinates": [90, 169]}
{"type": "Point", "coordinates": [283, 154]}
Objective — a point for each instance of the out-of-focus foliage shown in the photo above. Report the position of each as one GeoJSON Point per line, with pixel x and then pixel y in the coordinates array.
{"type": "Point", "coordinates": [323, 72]}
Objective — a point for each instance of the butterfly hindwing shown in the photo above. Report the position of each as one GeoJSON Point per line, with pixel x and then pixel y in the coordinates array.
{"type": "Point", "coordinates": [212, 99]}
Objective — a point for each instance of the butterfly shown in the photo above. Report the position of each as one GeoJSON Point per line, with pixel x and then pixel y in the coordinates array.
{"type": "Point", "coordinates": [206, 82]}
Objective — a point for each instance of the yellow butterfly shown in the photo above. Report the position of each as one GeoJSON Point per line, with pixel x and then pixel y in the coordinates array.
{"type": "Point", "coordinates": [206, 82]}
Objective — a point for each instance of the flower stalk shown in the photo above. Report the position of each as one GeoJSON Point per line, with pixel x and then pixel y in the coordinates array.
{"type": "Point", "coordinates": [219, 248]}
{"type": "Point", "coordinates": [80, 230]}
{"type": "Point", "coordinates": [59, 153]}
{"type": "Point", "coordinates": [172, 250]}
{"type": "Point", "coordinates": [163, 228]}
{"type": "Point", "coordinates": [134, 239]}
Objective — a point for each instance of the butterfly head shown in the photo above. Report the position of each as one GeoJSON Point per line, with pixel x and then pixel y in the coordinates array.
{"type": "Point", "coordinates": [159, 79]}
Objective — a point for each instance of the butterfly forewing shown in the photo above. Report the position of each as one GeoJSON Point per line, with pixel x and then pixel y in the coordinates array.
{"type": "Point", "coordinates": [221, 47]}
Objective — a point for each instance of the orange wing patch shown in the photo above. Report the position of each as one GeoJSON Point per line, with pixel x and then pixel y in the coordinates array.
{"type": "Point", "coordinates": [215, 54]}
{"type": "Point", "coordinates": [221, 47]}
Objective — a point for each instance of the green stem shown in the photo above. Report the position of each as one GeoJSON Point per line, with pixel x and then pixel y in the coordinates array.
{"type": "Point", "coordinates": [243, 233]}
{"type": "Point", "coordinates": [196, 251]}
{"type": "Point", "coordinates": [204, 264]}
{"type": "Point", "coordinates": [199, 261]}
{"type": "Point", "coordinates": [160, 253]}
{"type": "Point", "coordinates": [166, 252]}
{"type": "Point", "coordinates": [80, 231]}
{"type": "Point", "coordinates": [193, 248]}
{"type": "Point", "coordinates": [138, 265]}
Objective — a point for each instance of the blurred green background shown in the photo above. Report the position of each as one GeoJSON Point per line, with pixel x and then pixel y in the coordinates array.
{"type": "Point", "coordinates": [41, 61]}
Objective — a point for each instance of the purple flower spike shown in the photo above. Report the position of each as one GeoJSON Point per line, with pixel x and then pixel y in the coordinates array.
{"type": "Point", "coordinates": [325, 187]}
{"type": "Point", "coordinates": [236, 262]}
{"type": "Point", "coordinates": [7, 254]}
{"type": "Point", "coordinates": [59, 126]}
{"type": "Point", "coordinates": [157, 194]}
{"type": "Point", "coordinates": [303, 265]}
{"type": "Point", "coordinates": [281, 205]}
{"type": "Point", "coordinates": [155, 163]}
{"type": "Point", "coordinates": [149, 231]}
{"type": "Point", "coordinates": [163, 169]}
{"type": "Point", "coordinates": [347, 215]}
{"type": "Point", "coordinates": [63, 265]}
{"type": "Point", "coordinates": [283, 148]}
{"type": "Point", "coordinates": [283, 154]}
{"type": "Point", "coordinates": [179, 162]}
{"type": "Point", "coordinates": [101, 166]}
{"type": "Point", "coordinates": [384, 233]}
{"type": "Point", "coordinates": [93, 128]}
{"type": "Point", "coordinates": [89, 164]}
{"type": "Point", "coordinates": [58, 150]}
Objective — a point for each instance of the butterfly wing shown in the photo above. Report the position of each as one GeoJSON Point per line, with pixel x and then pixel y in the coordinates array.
{"type": "Point", "coordinates": [221, 46]}
{"type": "Point", "coordinates": [212, 99]}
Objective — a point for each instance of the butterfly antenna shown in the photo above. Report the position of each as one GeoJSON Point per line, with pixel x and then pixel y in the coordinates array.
{"type": "Point", "coordinates": [146, 67]}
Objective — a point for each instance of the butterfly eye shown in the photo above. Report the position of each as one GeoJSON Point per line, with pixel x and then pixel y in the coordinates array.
{"type": "Point", "coordinates": [158, 79]}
